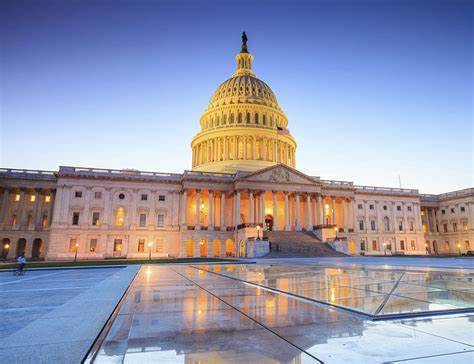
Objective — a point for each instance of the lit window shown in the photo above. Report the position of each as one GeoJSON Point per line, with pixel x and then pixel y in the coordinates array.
{"type": "Point", "coordinates": [161, 220]}
{"type": "Point", "coordinates": [141, 245]}
{"type": "Point", "coordinates": [47, 198]}
{"type": "Point", "coordinates": [117, 245]}
{"type": "Point", "coordinates": [75, 218]}
{"type": "Point", "coordinates": [402, 244]}
{"type": "Point", "coordinates": [29, 220]}
{"type": "Point", "coordinates": [32, 198]}
{"type": "Point", "coordinates": [95, 218]}
{"type": "Point", "coordinates": [14, 219]}
{"type": "Point", "coordinates": [374, 244]}
{"type": "Point", "coordinates": [72, 245]}
{"type": "Point", "coordinates": [93, 245]}
{"type": "Point", "coordinates": [44, 220]}
{"type": "Point", "coordinates": [424, 228]}
{"type": "Point", "coordinates": [119, 216]}
{"type": "Point", "coordinates": [413, 245]}
{"type": "Point", "coordinates": [464, 225]}
{"type": "Point", "coordinates": [17, 197]}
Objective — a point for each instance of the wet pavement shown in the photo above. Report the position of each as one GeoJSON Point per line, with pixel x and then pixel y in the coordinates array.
{"type": "Point", "coordinates": [293, 313]}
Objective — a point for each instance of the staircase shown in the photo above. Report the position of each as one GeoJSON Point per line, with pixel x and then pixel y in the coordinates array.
{"type": "Point", "coordinates": [298, 244]}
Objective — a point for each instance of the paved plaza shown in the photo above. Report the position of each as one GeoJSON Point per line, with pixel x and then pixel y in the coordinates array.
{"type": "Point", "coordinates": [335, 310]}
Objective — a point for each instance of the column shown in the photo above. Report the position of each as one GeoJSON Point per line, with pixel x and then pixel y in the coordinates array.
{"type": "Point", "coordinates": [319, 206]}
{"type": "Point", "coordinates": [427, 220]}
{"type": "Point", "coordinates": [244, 154]}
{"type": "Point", "coordinates": [287, 215]}
{"type": "Point", "coordinates": [21, 209]}
{"type": "Point", "coordinates": [133, 210]}
{"type": "Point", "coordinates": [365, 217]}
{"type": "Point", "coordinates": [433, 215]}
{"type": "Point", "coordinates": [253, 148]}
{"type": "Point", "coordinates": [184, 210]}
{"type": "Point", "coordinates": [298, 216]}
{"type": "Point", "coordinates": [87, 201]}
{"type": "Point", "coordinates": [226, 149]}
{"type": "Point", "coordinates": [251, 217]}
{"type": "Point", "coordinates": [106, 218]}
{"type": "Point", "coordinates": [259, 209]}
{"type": "Point", "coordinates": [343, 206]}
{"type": "Point", "coordinates": [3, 212]}
{"type": "Point", "coordinates": [237, 208]}
{"type": "Point", "coordinates": [333, 207]}
{"type": "Point", "coordinates": [263, 210]}
{"type": "Point", "coordinates": [197, 224]}
{"type": "Point", "coordinates": [308, 212]}
{"type": "Point", "coordinates": [211, 206]}
{"type": "Point", "coordinates": [377, 217]}
{"type": "Point", "coordinates": [314, 211]}
{"type": "Point", "coordinates": [351, 214]}
{"type": "Point", "coordinates": [323, 208]}
{"type": "Point", "coordinates": [235, 147]}
{"type": "Point", "coordinates": [36, 218]}
{"type": "Point", "coordinates": [50, 209]}
{"type": "Point", "coordinates": [223, 227]}
{"type": "Point", "coordinates": [275, 212]}
{"type": "Point", "coordinates": [469, 206]}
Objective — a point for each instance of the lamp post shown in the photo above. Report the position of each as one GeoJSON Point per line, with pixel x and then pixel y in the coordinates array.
{"type": "Point", "coordinates": [335, 230]}
{"type": "Point", "coordinates": [149, 251]}
{"type": "Point", "coordinates": [258, 232]}
{"type": "Point", "coordinates": [75, 254]}
{"type": "Point", "coordinates": [385, 248]}
{"type": "Point", "coordinates": [459, 248]}
{"type": "Point", "coordinates": [5, 252]}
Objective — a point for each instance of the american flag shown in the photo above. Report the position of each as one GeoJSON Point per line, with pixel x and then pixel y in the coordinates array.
{"type": "Point", "coordinates": [282, 131]}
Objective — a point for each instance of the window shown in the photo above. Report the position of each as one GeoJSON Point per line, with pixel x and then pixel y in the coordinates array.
{"type": "Point", "coordinates": [119, 216]}
{"type": "Point", "coordinates": [372, 225]}
{"type": "Point", "coordinates": [97, 194]}
{"type": "Point", "coordinates": [256, 118]}
{"type": "Point", "coordinates": [362, 246]}
{"type": "Point", "coordinates": [159, 246]}
{"type": "Point", "coordinates": [371, 207]}
{"type": "Point", "coordinates": [455, 227]}
{"type": "Point", "coordinates": [72, 245]}
{"type": "Point", "coordinates": [142, 220]}
{"type": "Point", "coordinates": [466, 245]}
{"type": "Point", "coordinates": [17, 197]}
{"type": "Point", "coordinates": [44, 219]}
{"type": "Point", "coordinates": [141, 245]}
{"type": "Point", "coordinates": [78, 194]}
{"type": "Point", "coordinates": [400, 226]}
{"type": "Point", "coordinates": [402, 244]}
{"type": "Point", "coordinates": [374, 244]}
{"type": "Point", "coordinates": [385, 207]}
{"type": "Point", "coordinates": [117, 245]}
{"type": "Point", "coordinates": [14, 219]}
{"type": "Point", "coordinates": [95, 218]}
{"type": "Point", "coordinates": [93, 245]}
{"type": "Point", "coordinates": [29, 220]}
{"type": "Point", "coordinates": [121, 196]}
{"type": "Point", "coordinates": [359, 206]}
{"type": "Point", "coordinates": [399, 208]}
{"type": "Point", "coordinates": [264, 120]}
{"type": "Point", "coordinates": [161, 220]}
{"type": "Point", "coordinates": [413, 245]}
{"type": "Point", "coordinates": [445, 228]}
{"type": "Point", "coordinates": [446, 246]}
{"type": "Point", "coordinates": [409, 208]}
{"type": "Point", "coordinates": [412, 226]}
{"type": "Point", "coordinates": [161, 197]}
{"type": "Point", "coordinates": [361, 224]}
{"type": "Point", "coordinates": [144, 197]}
{"type": "Point", "coordinates": [32, 198]}
{"type": "Point", "coordinates": [47, 198]}
{"type": "Point", "coordinates": [452, 210]}
{"type": "Point", "coordinates": [75, 218]}
{"type": "Point", "coordinates": [463, 209]}
{"type": "Point", "coordinates": [443, 212]}
{"type": "Point", "coordinates": [464, 225]}
{"type": "Point", "coordinates": [386, 223]}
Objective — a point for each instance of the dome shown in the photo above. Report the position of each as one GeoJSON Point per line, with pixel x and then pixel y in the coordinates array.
{"type": "Point", "coordinates": [243, 128]}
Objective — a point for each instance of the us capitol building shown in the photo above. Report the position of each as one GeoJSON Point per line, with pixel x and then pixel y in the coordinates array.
{"type": "Point", "coordinates": [243, 186]}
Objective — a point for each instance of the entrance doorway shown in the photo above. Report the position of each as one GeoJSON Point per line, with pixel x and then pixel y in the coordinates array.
{"type": "Point", "coordinates": [242, 249]}
{"type": "Point", "coordinates": [37, 248]}
{"type": "Point", "coordinates": [269, 222]}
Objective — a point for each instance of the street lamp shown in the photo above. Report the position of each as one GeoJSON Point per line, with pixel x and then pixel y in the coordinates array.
{"type": "Point", "coordinates": [258, 232]}
{"type": "Point", "coordinates": [459, 247]}
{"type": "Point", "coordinates": [385, 248]}
{"type": "Point", "coordinates": [149, 251]}
{"type": "Point", "coordinates": [335, 230]}
{"type": "Point", "coordinates": [75, 255]}
{"type": "Point", "coordinates": [5, 252]}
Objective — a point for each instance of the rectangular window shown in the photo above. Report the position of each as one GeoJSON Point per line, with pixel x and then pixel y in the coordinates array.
{"type": "Point", "coordinates": [455, 227]}
{"type": "Point", "coordinates": [385, 207]}
{"type": "Point", "coordinates": [95, 218]}
{"type": "Point", "coordinates": [374, 244]}
{"type": "Point", "coordinates": [409, 208]}
{"type": "Point", "coordinates": [144, 197]}
{"type": "Point", "coordinates": [445, 228]}
{"type": "Point", "coordinates": [412, 226]}
{"type": "Point", "coordinates": [443, 212]}
{"type": "Point", "coordinates": [97, 194]}
{"type": "Point", "coordinates": [361, 224]}
{"type": "Point", "coordinates": [29, 220]}
{"type": "Point", "coordinates": [32, 198]}
{"type": "Point", "coordinates": [17, 197]}
{"type": "Point", "coordinates": [117, 245]}
{"type": "Point", "coordinates": [452, 210]}
{"type": "Point", "coordinates": [359, 206]}
{"type": "Point", "coordinates": [141, 245]}
{"type": "Point", "coordinates": [463, 209]}
{"type": "Point", "coordinates": [399, 208]}
{"type": "Point", "coordinates": [362, 246]}
{"type": "Point", "coordinates": [161, 220]}
{"type": "Point", "coordinates": [44, 220]}
{"type": "Point", "coordinates": [371, 207]}
{"type": "Point", "coordinates": [446, 246]}
{"type": "Point", "coordinates": [413, 245]}
{"type": "Point", "coordinates": [400, 226]}
{"type": "Point", "coordinates": [47, 198]}
{"type": "Point", "coordinates": [14, 219]}
{"type": "Point", "coordinates": [93, 245]}
{"type": "Point", "coordinates": [464, 225]}
{"type": "Point", "coordinates": [161, 197]}
{"type": "Point", "coordinates": [372, 225]}
{"type": "Point", "coordinates": [75, 218]}
{"type": "Point", "coordinates": [402, 244]}
{"type": "Point", "coordinates": [78, 194]}
{"type": "Point", "coordinates": [142, 220]}
{"type": "Point", "coordinates": [72, 245]}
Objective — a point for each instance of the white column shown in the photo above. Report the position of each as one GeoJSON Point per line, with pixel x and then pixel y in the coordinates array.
{"type": "Point", "coordinates": [244, 154]}
{"type": "Point", "coordinates": [36, 218]}
{"type": "Point", "coordinates": [427, 219]}
{"type": "Point", "coordinates": [211, 206]}
{"type": "Point", "coordinates": [65, 197]}
{"type": "Point", "coordinates": [323, 208]}
{"type": "Point", "coordinates": [4, 210]}
{"type": "Point", "coordinates": [308, 212]}
{"type": "Point", "coordinates": [405, 222]}
{"type": "Point", "coordinates": [237, 209]}
{"type": "Point", "coordinates": [433, 214]}
{"type": "Point", "coordinates": [105, 220]}
{"type": "Point", "coordinates": [259, 208]}
{"type": "Point", "coordinates": [263, 211]}
{"type": "Point", "coordinates": [275, 212]}
{"type": "Point", "coordinates": [343, 206]}
{"type": "Point", "coordinates": [223, 227]}
{"type": "Point", "coordinates": [197, 225]}
{"type": "Point", "coordinates": [470, 214]}
{"type": "Point", "coordinates": [320, 207]}
{"type": "Point", "coordinates": [287, 215]}
{"type": "Point", "coordinates": [226, 149]}
{"type": "Point", "coordinates": [253, 148]}
{"type": "Point", "coordinates": [378, 223]}
{"type": "Point", "coordinates": [87, 201]}
{"type": "Point", "coordinates": [333, 206]}
{"type": "Point", "coordinates": [298, 216]}
{"type": "Point", "coordinates": [314, 212]}
{"type": "Point", "coordinates": [251, 207]}
{"type": "Point", "coordinates": [50, 208]}
{"type": "Point", "coordinates": [184, 209]}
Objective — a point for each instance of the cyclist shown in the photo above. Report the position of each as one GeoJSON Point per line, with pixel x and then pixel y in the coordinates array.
{"type": "Point", "coordinates": [21, 263]}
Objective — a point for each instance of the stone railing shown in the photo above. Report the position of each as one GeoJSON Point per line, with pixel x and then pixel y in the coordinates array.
{"type": "Point", "coordinates": [124, 173]}
{"type": "Point", "coordinates": [27, 173]}
{"type": "Point", "coordinates": [460, 193]}
{"type": "Point", "coordinates": [198, 174]}
{"type": "Point", "coordinates": [386, 190]}
{"type": "Point", "coordinates": [333, 183]}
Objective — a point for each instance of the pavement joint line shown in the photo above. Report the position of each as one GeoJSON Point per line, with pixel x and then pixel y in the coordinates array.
{"type": "Point", "coordinates": [45, 289]}
{"type": "Point", "coordinates": [248, 316]}
{"type": "Point", "coordinates": [429, 356]}
{"type": "Point", "coordinates": [388, 295]}
{"type": "Point", "coordinates": [27, 279]}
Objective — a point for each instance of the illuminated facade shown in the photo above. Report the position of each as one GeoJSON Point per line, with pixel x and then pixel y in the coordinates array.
{"type": "Point", "coordinates": [243, 176]}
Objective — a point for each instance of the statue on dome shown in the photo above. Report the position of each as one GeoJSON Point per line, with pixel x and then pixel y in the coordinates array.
{"type": "Point", "coordinates": [244, 43]}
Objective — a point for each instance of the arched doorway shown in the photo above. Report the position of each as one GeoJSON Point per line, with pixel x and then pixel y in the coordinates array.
{"type": "Point", "coordinates": [229, 248]}
{"type": "Point", "coordinates": [203, 248]}
{"type": "Point", "coordinates": [242, 249]}
{"type": "Point", "coordinates": [269, 222]}
{"type": "Point", "coordinates": [217, 247]}
{"type": "Point", "coordinates": [189, 247]}
{"type": "Point", "coordinates": [37, 248]}
{"type": "Point", "coordinates": [20, 247]}
{"type": "Point", "coordinates": [5, 248]}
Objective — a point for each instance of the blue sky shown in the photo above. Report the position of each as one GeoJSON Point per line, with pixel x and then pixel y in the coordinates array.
{"type": "Point", "coordinates": [372, 89]}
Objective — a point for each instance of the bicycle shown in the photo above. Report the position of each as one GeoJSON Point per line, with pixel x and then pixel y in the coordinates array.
{"type": "Point", "coordinates": [19, 270]}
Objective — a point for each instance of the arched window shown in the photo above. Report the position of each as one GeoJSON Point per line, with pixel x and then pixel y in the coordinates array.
{"type": "Point", "coordinates": [217, 121]}
{"type": "Point", "coordinates": [386, 223]}
{"type": "Point", "coordinates": [239, 120]}
{"type": "Point", "coordinates": [264, 119]}
{"type": "Point", "coordinates": [248, 118]}
{"type": "Point", "coordinates": [240, 149]}
{"type": "Point", "coordinates": [231, 121]}
{"type": "Point", "coordinates": [256, 118]}
{"type": "Point", "coordinates": [224, 122]}
{"type": "Point", "coordinates": [119, 216]}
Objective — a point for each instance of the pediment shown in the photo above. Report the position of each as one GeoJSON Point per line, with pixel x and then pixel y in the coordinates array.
{"type": "Point", "coordinates": [279, 173]}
